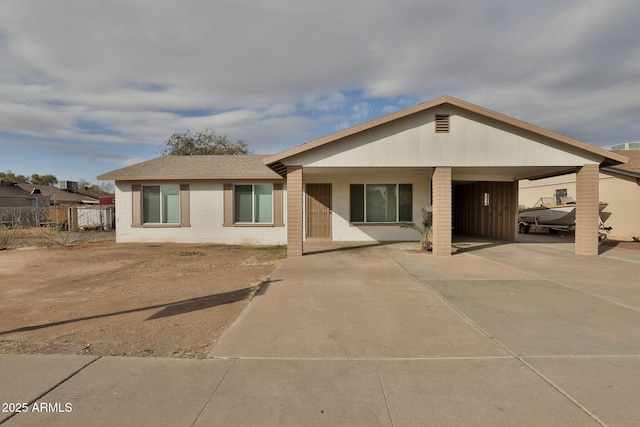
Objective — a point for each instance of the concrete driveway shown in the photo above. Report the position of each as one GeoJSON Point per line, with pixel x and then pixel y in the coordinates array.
{"type": "Point", "coordinates": [498, 334]}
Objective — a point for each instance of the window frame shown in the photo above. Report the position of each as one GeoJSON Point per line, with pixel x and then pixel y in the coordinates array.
{"type": "Point", "coordinates": [161, 205]}
{"type": "Point", "coordinates": [363, 193]}
{"type": "Point", "coordinates": [253, 205]}
{"type": "Point", "coordinates": [560, 193]}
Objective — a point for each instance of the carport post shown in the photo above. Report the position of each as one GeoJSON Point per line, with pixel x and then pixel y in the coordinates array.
{"type": "Point", "coordinates": [294, 211]}
{"type": "Point", "coordinates": [442, 211]}
{"type": "Point", "coordinates": [587, 210]}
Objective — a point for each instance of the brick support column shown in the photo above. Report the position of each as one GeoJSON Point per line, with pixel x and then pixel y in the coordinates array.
{"type": "Point", "coordinates": [587, 210]}
{"type": "Point", "coordinates": [441, 186]}
{"type": "Point", "coordinates": [294, 211]}
{"type": "Point", "coordinates": [513, 212]}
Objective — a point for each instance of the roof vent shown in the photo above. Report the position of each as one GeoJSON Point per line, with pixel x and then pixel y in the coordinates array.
{"type": "Point", "coordinates": [442, 123]}
{"type": "Point", "coordinates": [36, 191]}
{"type": "Point", "coordinates": [627, 146]}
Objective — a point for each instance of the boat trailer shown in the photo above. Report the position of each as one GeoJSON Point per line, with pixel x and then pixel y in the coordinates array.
{"type": "Point", "coordinates": [524, 227]}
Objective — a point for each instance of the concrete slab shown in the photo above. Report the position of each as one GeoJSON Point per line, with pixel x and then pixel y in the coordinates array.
{"type": "Point", "coordinates": [608, 386]}
{"type": "Point", "coordinates": [24, 378]}
{"type": "Point", "coordinates": [352, 304]}
{"type": "Point", "coordinates": [621, 254]}
{"type": "Point", "coordinates": [609, 278]}
{"type": "Point", "coordinates": [566, 241]}
{"type": "Point", "coordinates": [429, 267]}
{"type": "Point", "coordinates": [489, 392]}
{"type": "Point", "coordinates": [298, 393]}
{"type": "Point", "coordinates": [132, 391]}
{"type": "Point", "coordinates": [538, 317]}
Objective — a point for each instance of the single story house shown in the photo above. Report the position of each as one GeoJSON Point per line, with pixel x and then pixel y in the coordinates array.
{"type": "Point", "coordinates": [20, 206]}
{"type": "Point", "coordinates": [18, 202]}
{"type": "Point", "coordinates": [200, 199]}
{"type": "Point", "coordinates": [59, 201]}
{"type": "Point", "coordinates": [457, 159]}
{"type": "Point", "coordinates": [619, 186]}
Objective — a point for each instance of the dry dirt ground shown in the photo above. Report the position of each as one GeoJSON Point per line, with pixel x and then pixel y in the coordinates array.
{"type": "Point", "coordinates": [103, 298]}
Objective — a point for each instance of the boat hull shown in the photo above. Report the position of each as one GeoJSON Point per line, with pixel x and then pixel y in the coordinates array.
{"type": "Point", "coordinates": [561, 215]}
{"type": "Point", "coordinates": [549, 216]}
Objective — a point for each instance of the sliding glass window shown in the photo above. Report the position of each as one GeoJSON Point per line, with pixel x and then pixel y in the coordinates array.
{"type": "Point", "coordinates": [253, 203]}
{"type": "Point", "coordinates": [161, 204]}
{"type": "Point", "coordinates": [381, 202]}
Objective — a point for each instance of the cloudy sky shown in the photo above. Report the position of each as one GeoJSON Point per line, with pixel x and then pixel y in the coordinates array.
{"type": "Point", "coordinates": [89, 86]}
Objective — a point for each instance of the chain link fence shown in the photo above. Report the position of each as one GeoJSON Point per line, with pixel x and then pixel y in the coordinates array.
{"type": "Point", "coordinates": [26, 216]}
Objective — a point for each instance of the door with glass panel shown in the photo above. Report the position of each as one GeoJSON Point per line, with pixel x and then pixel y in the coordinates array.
{"type": "Point", "coordinates": [318, 211]}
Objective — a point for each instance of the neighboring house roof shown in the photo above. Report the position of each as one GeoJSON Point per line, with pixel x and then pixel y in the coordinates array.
{"type": "Point", "coordinates": [61, 196]}
{"type": "Point", "coordinates": [610, 158]}
{"type": "Point", "coordinates": [14, 192]}
{"type": "Point", "coordinates": [195, 167]}
{"type": "Point", "coordinates": [631, 168]}
{"type": "Point", "coordinates": [94, 194]}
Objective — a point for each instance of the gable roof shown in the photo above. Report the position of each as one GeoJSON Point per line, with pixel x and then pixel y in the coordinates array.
{"type": "Point", "coordinates": [25, 191]}
{"type": "Point", "coordinates": [195, 167]}
{"type": "Point", "coordinates": [12, 191]}
{"type": "Point", "coordinates": [275, 161]}
{"type": "Point", "coordinates": [632, 167]}
{"type": "Point", "coordinates": [62, 196]}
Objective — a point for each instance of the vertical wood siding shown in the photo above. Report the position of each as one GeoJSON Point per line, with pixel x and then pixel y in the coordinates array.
{"type": "Point", "coordinates": [498, 220]}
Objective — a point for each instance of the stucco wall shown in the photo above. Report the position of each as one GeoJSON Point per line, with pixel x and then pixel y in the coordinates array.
{"type": "Point", "coordinates": [206, 219]}
{"type": "Point", "coordinates": [413, 142]}
{"type": "Point", "coordinates": [531, 191]}
{"type": "Point", "coordinates": [622, 193]}
{"type": "Point", "coordinates": [343, 231]}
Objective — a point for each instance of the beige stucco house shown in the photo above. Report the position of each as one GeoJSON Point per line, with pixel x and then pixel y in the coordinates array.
{"type": "Point", "coordinates": [200, 199]}
{"type": "Point", "coordinates": [457, 159]}
{"type": "Point", "coordinates": [619, 186]}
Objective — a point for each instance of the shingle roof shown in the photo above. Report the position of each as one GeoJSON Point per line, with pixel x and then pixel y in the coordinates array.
{"type": "Point", "coordinates": [62, 196]}
{"type": "Point", "coordinates": [14, 192]}
{"type": "Point", "coordinates": [94, 194]}
{"type": "Point", "coordinates": [195, 167]}
{"type": "Point", "coordinates": [633, 165]}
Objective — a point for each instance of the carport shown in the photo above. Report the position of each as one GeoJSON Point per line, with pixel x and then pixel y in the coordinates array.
{"type": "Point", "coordinates": [457, 159]}
{"type": "Point", "coordinates": [487, 205]}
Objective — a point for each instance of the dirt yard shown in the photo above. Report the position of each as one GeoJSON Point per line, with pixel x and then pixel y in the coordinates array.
{"type": "Point", "coordinates": [163, 300]}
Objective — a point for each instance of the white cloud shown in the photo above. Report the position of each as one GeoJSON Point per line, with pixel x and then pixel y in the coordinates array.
{"type": "Point", "coordinates": [324, 102]}
{"type": "Point", "coordinates": [135, 71]}
{"type": "Point", "coordinates": [362, 111]}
